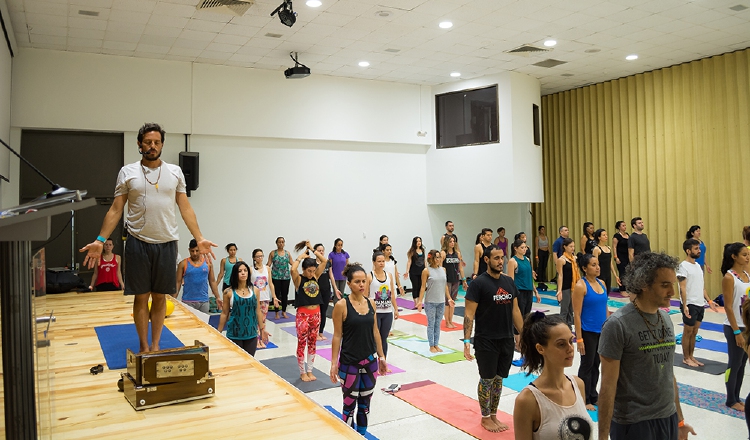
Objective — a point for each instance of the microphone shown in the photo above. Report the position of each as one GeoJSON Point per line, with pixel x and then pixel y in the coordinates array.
{"type": "Point", "coordinates": [141, 152]}
{"type": "Point", "coordinates": [56, 189]}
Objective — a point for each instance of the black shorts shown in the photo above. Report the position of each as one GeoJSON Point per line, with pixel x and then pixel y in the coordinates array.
{"type": "Point", "coordinates": [106, 287]}
{"type": "Point", "coordinates": [149, 267]}
{"type": "Point", "coordinates": [696, 314]}
{"type": "Point", "coordinates": [655, 429]}
{"type": "Point", "coordinates": [493, 356]}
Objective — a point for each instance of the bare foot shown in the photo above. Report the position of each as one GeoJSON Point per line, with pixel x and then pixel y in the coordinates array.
{"type": "Point", "coordinates": [261, 344]}
{"type": "Point", "coordinates": [283, 314]}
{"type": "Point", "coordinates": [388, 370]}
{"type": "Point", "coordinates": [450, 325]}
{"type": "Point", "coordinates": [739, 406]}
{"type": "Point", "coordinates": [304, 378]}
{"type": "Point", "coordinates": [390, 333]}
{"type": "Point", "coordinates": [437, 347]}
{"type": "Point", "coordinates": [277, 315]}
{"type": "Point", "coordinates": [590, 407]}
{"type": "Point", "coordinates": [500, 425]}
{"type": "Point", "coordinates": [154, 348]}
{"type": "Point", "coordinates": [311, 377]}
{"type": "Point", "coordinates": [433, 350]}
{"type": "Point", "coordinates": [699, 363]}
{"type": "Point", "coordinates": [320, 337]}
{"type": "Point", "coordinates": [490, 425]}
{"type": "Point", "coordinates": [689, 362]}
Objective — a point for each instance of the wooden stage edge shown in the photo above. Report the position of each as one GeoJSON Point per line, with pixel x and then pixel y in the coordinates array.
{"type": "Point", "coordinates": [251, 401]}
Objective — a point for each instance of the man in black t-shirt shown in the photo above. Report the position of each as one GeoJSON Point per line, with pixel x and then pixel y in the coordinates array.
{"type": "Point", "coordinates": [493, 298]}
{"type": "Point", "coordinates": [638, 243]}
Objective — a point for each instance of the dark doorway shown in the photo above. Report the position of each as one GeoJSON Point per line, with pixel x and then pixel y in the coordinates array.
{"type": "Point", "coordinates": [76, 160]}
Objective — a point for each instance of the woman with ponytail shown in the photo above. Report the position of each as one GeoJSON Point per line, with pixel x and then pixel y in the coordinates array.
{"type": "Point", "coordinates": [567, 277]}
{"type": "Point", "coordinates": [434, 294]}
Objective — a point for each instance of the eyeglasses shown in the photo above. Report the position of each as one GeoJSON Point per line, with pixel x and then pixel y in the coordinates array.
{"type": "Point", "coordinates": [149, 143]}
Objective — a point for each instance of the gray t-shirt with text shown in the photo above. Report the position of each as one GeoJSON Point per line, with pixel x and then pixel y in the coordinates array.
{"type": "Point", "coordinates": [645, 387]}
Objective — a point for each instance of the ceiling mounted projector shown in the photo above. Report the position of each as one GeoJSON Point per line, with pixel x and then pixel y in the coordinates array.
{"type": "Point", "coordinates": [298, 71]}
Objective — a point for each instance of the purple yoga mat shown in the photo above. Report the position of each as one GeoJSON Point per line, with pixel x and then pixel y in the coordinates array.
{"type": "Point", "coordinates": [325, 353]}
{"type": "Point", "coordinates": [292, 330]}
{"type": "Point", "coordinates": [405, 303]}
{"type": "Point", "coordinates": [271, 317]}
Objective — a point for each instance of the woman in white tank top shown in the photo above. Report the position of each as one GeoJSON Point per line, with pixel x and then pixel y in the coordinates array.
{"type": "Point", "coordinates": [735, 287]}
{"type": "Point", "coordinates": [380, 288]}
{"type": "Point", "coordinates": [551, 407]}
{"type": "Point", "coordinates": [263, 287]}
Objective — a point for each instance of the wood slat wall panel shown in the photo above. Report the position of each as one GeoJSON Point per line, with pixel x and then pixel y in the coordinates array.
{"type": "Point", "coordinates": [669, 145]}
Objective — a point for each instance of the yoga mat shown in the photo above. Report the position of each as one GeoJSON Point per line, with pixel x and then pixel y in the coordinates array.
{"type": "Point", "coordinates": [419, 346]}
{"type": "Point", "coordinates": [116, 339]}
{"type": "Point", "coordinates": [519, 381]}
{"type": "Point", "coordinates": [405, 303]}
{"type": "Point", "coordinates": [326, 353]}
{"type": "Point", "coordinates": [338, 414]}
{"type": "Point", "coordinates": [711, 326]}
{"type": "Point", "coordinates": [292, 330]}
{"type": "Point", "coordinates": [397, 334]}
{"type": "Point", "coordinates": [419, 318]}
{"type": "Point", "coordinates": [710, 344]}
{"type": "Point", "coordinates": [707, 399]}
{"type": "Point", "coordinates": [269, 345]}
{"type": "Point", "coordinates": [272, 317]}
{"type": "Point", "coordinates": [459, 310]}
{"type": "Point", "coordinates": [710, 367]}
{"type": "Point", "coordinates": [617, 294]}
{"type": "Point", "coordinates": [454, 408]}
{"type": "Point", "coordinates": [287, 368]}
{"type": "Point", "coordinates": [550, 301]}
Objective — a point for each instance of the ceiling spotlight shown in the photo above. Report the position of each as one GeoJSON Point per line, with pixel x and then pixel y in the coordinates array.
{"type": "Point", "coordinates": [550, 43]}
{"type": "Point", "coordinates": [631, 57]}
{"type": "Point", "coordinates": [455, 74]}
{"type": "Point", "coordinates": [313, 3]}
{"type": "Point", "coordinates": [445, 25]}
{"type": "Point", "coordinates": [286, 13]}
{"type": "Point", "coordinates": [363, 64]}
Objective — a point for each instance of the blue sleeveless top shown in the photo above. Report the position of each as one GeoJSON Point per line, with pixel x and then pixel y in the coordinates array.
{"type": "Point", "coordinates": [523, 277]}
{"type": "Point", "coordinates": [195, 282]}
{"type": "Point", "coordinates": [702, 260]}
{"type": "Point", "coordinates": [243, 318]}
{"type": "Point", "coordinates": [594, 309]}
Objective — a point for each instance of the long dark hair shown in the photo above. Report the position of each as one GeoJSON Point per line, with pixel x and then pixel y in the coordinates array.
{"type": "Point", "coordinates": [691, 231]}
{"type": "Point", "coordinates": [598, 234]}
{"type": "Point", "coordinates": [413, 249]}
{"type": "Point", "coordinates": [516, 244]}
{"type": "Point", "coordinates": [234, 279]}
{"type": "Point", "coordinates": [382, 247]}
{"type": "Point", "coordinates": [255, 251]}
{"type": "Point", "coordinates": [536, 329]}
{"type": "Point", "coordinates": [586, 226]}
{"type": "Point", "coordinates": [335, 242]}
{"type": "Point", "coordinates": [730, 249]}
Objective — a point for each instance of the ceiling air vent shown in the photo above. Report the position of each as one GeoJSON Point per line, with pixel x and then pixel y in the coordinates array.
{"type": "Point", "coordinates": [232, 7]}
{"type": "Point", "coordinates": [527, 50]}
{"type": "Point", "coordinates": [549, 63]}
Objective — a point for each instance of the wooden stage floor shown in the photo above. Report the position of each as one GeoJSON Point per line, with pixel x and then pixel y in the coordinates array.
{"type": "Point", "coordinates": [251, 401]}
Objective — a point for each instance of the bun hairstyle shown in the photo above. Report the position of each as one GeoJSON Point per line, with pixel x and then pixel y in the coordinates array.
{"type": "Point", "coordinates": [309, 262]}
{"type": "Point", "coordinates": [431, 257]}
{"type": "Point", "coordinates": [583, 262]}
{"type": "Point", "coordinates": [229, 246]}
{"type": "Point", "coordinates": [301, 245]}
{"type": "Point", "coordinates": [516, 244]}
{"type": "Point", "coordinates": [382, 248]}
{"type": "Point", "coordinates": [377, 254]}
{"type": "Point", "coordinates": [352, 268]}
{"type": "Point", "coordinates": [536, 330]}
{"type": "Point", "coordinates": [691, 231]}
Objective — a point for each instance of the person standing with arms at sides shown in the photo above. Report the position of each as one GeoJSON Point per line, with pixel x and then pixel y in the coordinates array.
{"type": "Point", "coordinates": [590, 312]}
{"type": "Point", "coordinates": [638, 242]}
{"type": "Point", "coordinates": [639, 397]}
{"type": "Point", "coordinates": [542, 254]}
{"type": "Point", "coordinates": [522, 236]}
{"type": "Point", "coordinates": [380, 289]}
{"type": "Point", "coordinates": [519, 269]}
{"type": "Point", "coordinates": [433, 295]}
{"type": "Point", "coordinates": [501, 242]}
{"type": "Point", "coordinates": [620, 243]}
{"type": "Point", "coordinates": [325, 282]}
{"type": "Point", "coordinates": [307, 299]}
{"type": "Point", "coordinates": [279, 261]}
{"type": "Point", "coordinates": [242, 315]}
{"type": "Point", "coordinates": [604, 254]}
{"type": "Point", "coordinates": [692, 297]}
{"type": "Point", "coordinates": [197, 275]}
{"type": "Point", "coordinates": [449, 228]}
{"type": "Point", "coordinates": [391, 266]}
{"type": "Point", "coordinates": [587, 239]}
{"type": "Point", "coordinates": [151, 188]}
{"type": "Point", "coordinates": [415, 266]}
{"type": "Point", "coordinates": [485, 241]}
{"type": "Point", "coordinates": [226, 265]}
{"type": "Point", "coordinates": [259, 279]}
{"type": "Point", "coordinates": [557, 246]}
{"type": "Point", "coordinates": [492, 297]}
{"type": "Point", "coordinates": [357, 352]}
{"type": "Point", "coordinates": [339, 259]}
{"type": "Point", "coordinates": [454, 272]}
{"type": "Point", "coordinates": [383, 240]}
{"type": "Point", "coordinates": [552, 406]}
{"type": "Point", "coordinates": [695, 233]}
{"type": "Point", "coordinates": [108, 273]}
{"type": "Point", "coordinates": [735, 286]}
{"type": "Point", "coordinates": [567, 277]}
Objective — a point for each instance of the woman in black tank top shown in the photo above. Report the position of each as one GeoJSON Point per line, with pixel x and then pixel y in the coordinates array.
{"type": "Point", "coordinates": [357, 351]}
{"type": "Point", "coordinates": [604, 253]}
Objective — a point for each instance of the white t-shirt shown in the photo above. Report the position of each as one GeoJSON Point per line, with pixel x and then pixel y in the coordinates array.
{"type": "Point", "coordinates": [151, 214]}
{"type": "Point", "coordinates": [693, 275]}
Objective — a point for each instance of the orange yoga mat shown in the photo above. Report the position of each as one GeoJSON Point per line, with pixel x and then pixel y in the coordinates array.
{"type": "Point", "coordinates": [420, 318]}
{"type": "Point", "coordinates": [453, 408]}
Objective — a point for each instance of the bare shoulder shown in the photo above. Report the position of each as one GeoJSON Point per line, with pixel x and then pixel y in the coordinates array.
{"type": "Point", "coordinates": [526, 401]}
{"type": "Point", "coordinates": [580, 383]}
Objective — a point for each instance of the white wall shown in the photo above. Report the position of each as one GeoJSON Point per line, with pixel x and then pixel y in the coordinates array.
{"type": "Point", "coordinates": [8, 165]}
{"type": "Point", "coordinates": [505, 172]}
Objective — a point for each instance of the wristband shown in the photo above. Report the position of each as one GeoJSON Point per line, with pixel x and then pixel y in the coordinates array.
{"type": "Point", "coordinates": [100, 238]}
{"type": "Point", "coordinates": [681, 423]}
{"type": "Point", "coordinates": [467, 341]}
{"type": "Point", "coordinates": [737, 332]}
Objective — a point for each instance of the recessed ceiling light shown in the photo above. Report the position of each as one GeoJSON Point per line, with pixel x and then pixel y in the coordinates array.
{"type": "Point", "coordinates": [567, 74]}
{"type": "Point", "coordinates": [550, 42]}
{"type": "Point", "coordinates": [445, 25]}
{"type": "Point", "coordinates": [89, 13]}
{"type": "Point", "coordinates": [455, 74]}
{"type": "Point", "coordinates": [383, 14]}
{"type": "Point", "coordinates": [363, 64]}
{"type": "Point", "coordinates": [313, 3]}
{"type": "Point", "coordinates": [631, 57]}
{"type": "Point", "coordinates": [592, 50]}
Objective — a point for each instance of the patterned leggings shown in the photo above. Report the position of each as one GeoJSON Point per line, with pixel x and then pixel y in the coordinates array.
{"type": "Point", "coordinates": [489, 391]}
{"type": "Point", "coordinates": [308, 322]}
{"type": "Point", "coordinates": [357, 384]}
{"type": "Point", "coordinates": [264, 311]}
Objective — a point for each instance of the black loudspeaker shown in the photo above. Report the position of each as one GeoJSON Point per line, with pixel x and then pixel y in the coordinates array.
{"type": "Point", "coordinates": [189, 165]}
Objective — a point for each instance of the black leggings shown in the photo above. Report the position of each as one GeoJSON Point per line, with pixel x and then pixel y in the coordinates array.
{"type": "Point", "coordinates": [621, 272]}
{"type": "Point", "coordinates": [249, 345]}
{"type": "Point", "coordinates": [416, 283]}
{"type": "Point", "coordinates": [281, 287]}
{"type": "Point", "coordinates": [326, 297]}
{"type": "Point", "coordinates": [588, 371]}
{"type": "Point", "coordinates": [735, 367]}
{"type": "Point", "coordinates": [385, 322]}
{"type": "Point", "coordinates": [541, 269]}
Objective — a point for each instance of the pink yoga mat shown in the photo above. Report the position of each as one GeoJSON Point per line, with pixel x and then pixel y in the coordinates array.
{"type": "Point", "coordinates": [453, 408]}
{"type": "Point", "coordinates": [420, 318]}
{"type": "Point", "coordinates": [325, 353]}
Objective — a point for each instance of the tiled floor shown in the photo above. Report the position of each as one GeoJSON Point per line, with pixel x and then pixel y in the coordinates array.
{"type": "Point", "coordinates": [391, 418]}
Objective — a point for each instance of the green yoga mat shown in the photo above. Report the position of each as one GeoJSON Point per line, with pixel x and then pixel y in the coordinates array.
{"type": "Point", "coordinates": [419, 346]}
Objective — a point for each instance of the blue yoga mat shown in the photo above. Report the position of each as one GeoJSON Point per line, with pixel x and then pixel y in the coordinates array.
{"type": "Point", "coordinates": [338, 414]}
{"type": "Point", "coordinates": [711, 326]}
{"type": "Point", "coordinates": [710, 344]}
{"type": "Point", "coordinates": [116, 339]}
{"type": "Point", "coordinates": [550, 301]}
